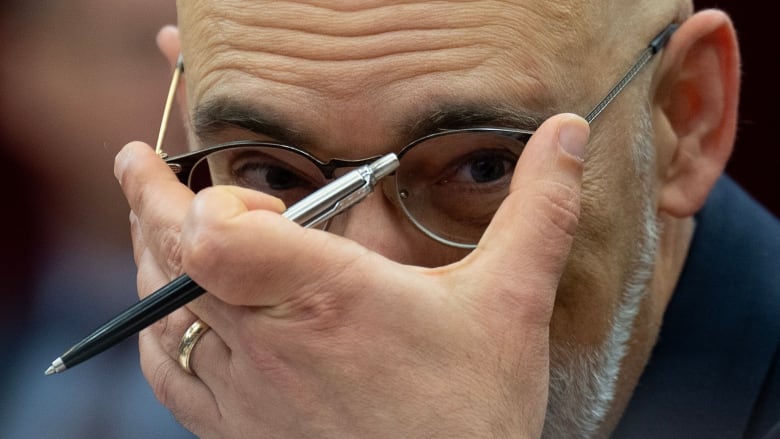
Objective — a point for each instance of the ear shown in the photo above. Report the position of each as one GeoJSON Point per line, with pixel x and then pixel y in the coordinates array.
{"type": "Point", "coordinates": [170, 46]}
{"type": "Point", "coordinates": [695, 110]}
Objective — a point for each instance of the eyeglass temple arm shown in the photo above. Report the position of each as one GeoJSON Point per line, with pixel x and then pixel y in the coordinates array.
{"type": "Point", "coordinates": [654, 47]}
{"type": "Point", "coordinates": [168, 106]}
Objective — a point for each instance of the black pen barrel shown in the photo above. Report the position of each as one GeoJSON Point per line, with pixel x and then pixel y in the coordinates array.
{"type": "Point", "coordinates": [319, 206]}
{"type": "Point", "coordinates": [152, 308]}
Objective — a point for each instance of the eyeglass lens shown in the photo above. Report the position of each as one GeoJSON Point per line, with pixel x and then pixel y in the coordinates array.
{"type": "Point", "coordinates": [449, 185]}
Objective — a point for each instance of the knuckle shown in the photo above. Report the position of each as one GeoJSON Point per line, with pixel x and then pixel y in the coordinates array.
{"type": "Point", "coordinates": [139, 246]}
{"type": "Point", "coordinates": [160, 378]}
{"type": "Point", "coordinates": [147, 280]}
{"type": "Point", "coordinates": [145, 225]}
{"type": "Point", "coordinates": [140, 194]}
{"type": "Point", "coordinates": [164, 331]}
{"type": "Point", "coordinates": [171, 255]}
{"type": "Point", "coordinates": [135, 227]}
{"type": "Point", "coordinates": [163, 376]}
{"type": "Point", "coordinates": [171, 329]}
{"type": "Point", "coordinates": [200, 249]}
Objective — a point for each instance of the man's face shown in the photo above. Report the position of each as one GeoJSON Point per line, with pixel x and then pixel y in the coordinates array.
{"type": "Point", "coordinates": [354, 80]}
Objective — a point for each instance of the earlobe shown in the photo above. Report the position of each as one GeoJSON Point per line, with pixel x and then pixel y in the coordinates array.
{"type": "Point", "coordinates": [696, 102]}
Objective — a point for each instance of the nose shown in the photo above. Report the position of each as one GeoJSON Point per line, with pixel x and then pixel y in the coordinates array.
{"type": "Point", "coordinates": [378, 225]}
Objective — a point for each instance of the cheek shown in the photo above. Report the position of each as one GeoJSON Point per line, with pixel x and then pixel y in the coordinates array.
{"type": "Point", "coordinates": [378, 225]}
{"type": "Point", "coordinates": [606, 249]}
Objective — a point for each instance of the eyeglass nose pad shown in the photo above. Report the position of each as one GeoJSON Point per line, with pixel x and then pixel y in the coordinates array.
{"type": "Point", "coordinates": [390, 190]}
{"type": "Point", "coordinates": [335, 225]}
{"type": "Point", "coordinates": [325, 225]}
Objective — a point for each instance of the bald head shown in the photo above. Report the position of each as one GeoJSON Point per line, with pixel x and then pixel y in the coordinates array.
{"type": "Point", "coordinates": [338, 50]}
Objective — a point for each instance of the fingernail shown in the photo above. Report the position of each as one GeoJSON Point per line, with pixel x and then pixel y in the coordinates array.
{"type": "Point", "coordinates": [123, 159]}
{"type": "Point", "coordinates": [573, 135]}
{"type": "Point", "coordinates": [120, 163]}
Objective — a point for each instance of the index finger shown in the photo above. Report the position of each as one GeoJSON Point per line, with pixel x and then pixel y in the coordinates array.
{"type": "Point", "coordinates": [157, 198]}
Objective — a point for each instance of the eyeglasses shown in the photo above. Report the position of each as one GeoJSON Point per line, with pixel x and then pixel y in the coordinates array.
{"type": "Point", "coordinates": [449, 184]}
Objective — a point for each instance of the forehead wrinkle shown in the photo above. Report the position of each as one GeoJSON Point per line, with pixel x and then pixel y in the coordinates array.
{"type": "Point", "coordinates": [346, 39]}
{"type": "Point", "coordinates": [341, 80]}
{"type": "Point", "coordinates": [322, 80]}
{"type": "Point", "coordinates": [367, 19]}
{"type": "Point", "coordinates": [316, 33]}
{"type": "Point", "coordinates": [314, 47]}
{"type": "Point", "coordinates": [342, 55]}
{"type": "Point", "coordinates": [359, 22]}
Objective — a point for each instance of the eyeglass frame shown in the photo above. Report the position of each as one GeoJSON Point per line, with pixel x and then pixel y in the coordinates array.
{"type": "Point", "coordinates": [183, 164]}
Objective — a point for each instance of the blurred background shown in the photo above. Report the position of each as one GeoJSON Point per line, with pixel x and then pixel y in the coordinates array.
{"type": "Point", "coordinates": [78, 80]}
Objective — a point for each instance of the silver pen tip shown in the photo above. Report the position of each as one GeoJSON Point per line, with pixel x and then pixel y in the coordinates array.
{"type": "Point", "coordinates": [57, 366]}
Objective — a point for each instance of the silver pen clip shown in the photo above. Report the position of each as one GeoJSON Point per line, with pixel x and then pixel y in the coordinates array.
{"type": "Point", "coordinates": [341, 194]}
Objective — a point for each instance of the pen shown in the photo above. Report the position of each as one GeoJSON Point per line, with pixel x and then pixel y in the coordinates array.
{"type": "Point", "coordinates": [314, 209]}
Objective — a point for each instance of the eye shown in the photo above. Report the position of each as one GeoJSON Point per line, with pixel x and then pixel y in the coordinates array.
{"type": "Point", "coordinates": [279, 179]}
{"type": "Point", "coordinates": [267, 174]}
{"type": "Point", "coordinates": [481, 167]}
{"type": "Point", "coordinates": [263, 175]}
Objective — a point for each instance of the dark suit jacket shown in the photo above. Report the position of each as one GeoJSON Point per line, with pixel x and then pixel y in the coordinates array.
{"type": "Point", "coordinates": [715, 370]}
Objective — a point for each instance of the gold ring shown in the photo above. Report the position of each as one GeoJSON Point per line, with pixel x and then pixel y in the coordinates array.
{"type": "Point", "coordinates": [187, 343]}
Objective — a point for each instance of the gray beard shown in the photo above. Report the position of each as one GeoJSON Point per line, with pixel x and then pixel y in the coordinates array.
{"type": "Point", "coordinates": [583, 380]}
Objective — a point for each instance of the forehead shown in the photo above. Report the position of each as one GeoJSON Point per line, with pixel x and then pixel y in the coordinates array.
{"type": "Point", "coordinates": [353, 57]}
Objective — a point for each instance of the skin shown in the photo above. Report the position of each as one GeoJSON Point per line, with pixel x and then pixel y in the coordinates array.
{"type": "Point", "coordinates": [297, 315]}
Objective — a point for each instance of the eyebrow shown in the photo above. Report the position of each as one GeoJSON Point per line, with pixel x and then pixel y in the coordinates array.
{"type": "Point", "coordinates": [453, 115]}
{"type": "Point", "coordinates": [215, 116]}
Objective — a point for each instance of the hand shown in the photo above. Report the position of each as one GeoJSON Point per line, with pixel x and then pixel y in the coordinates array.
{"type": "Point", "coordinates": [315, 336]}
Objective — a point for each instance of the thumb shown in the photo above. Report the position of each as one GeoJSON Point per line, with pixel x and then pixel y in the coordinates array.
{"type": "Point", "coordinates": [528, 241]}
